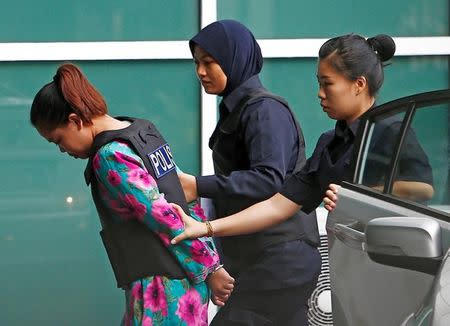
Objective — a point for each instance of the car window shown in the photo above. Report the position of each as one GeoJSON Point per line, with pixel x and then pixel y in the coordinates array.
{"type": "Point", "coordinates": [431, 128]}
{"type": "Point", "coordinates": [380, 150]}
{"type": "Point", "coordinates": [420, 173]}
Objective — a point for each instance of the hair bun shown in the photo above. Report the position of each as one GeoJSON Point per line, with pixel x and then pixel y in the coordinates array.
{"type": "Point", "coordinates": [384, 45]}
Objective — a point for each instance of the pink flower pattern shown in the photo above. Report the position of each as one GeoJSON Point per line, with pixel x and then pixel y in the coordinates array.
{"type": "Point", "coordinates": [204, 318]}
{"type": "Point", "coordinates": [201, 254]}
{"type": "Point", "coordinates": [128, 207]}
{"type": "Point", "coordinates": [126, 160]}
{"type": "Point", "coordinates": [190, 308]}
{"type": "Point", "coordinates": [141, 179]}
{"type": "Point", "coordinates": [163, 213]}
{"type": "Point", "coordinates": [155, 297]}
{"type": "Point", "coordinates": [198, 210]}
{"type": "Point", "coordinates": [136, 291]}
{"type": "Point", "coordinates": [147, 321]}
{"type": "Point", "coordinates": [114, 178]}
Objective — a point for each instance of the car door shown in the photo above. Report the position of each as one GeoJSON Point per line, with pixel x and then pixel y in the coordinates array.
{"type": "Point", "coordinates": [390, 232]}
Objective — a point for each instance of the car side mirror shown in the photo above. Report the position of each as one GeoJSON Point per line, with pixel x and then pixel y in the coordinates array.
{"type": "Point", "coordinates": [407, 242]}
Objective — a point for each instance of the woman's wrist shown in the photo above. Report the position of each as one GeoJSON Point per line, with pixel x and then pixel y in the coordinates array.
{"type": "Point", "coordinates": [209, 229]}
{"type": "Point", "coordinates": [216, 268]}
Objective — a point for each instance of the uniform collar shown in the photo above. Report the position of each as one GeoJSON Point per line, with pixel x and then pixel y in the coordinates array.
{"type": "Point", "coordinates": [342, 129]}
{"type": "Point", "coordinates": [345, 131]}
{"type": "Point", "coordinates": [234, 98]}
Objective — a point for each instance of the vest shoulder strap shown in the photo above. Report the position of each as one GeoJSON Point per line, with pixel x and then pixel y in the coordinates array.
{"type": "Point", "coordinates": [231, 123]}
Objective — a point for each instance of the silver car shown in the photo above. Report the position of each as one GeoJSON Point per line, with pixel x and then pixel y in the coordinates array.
{"type": "Point", "coordinates": [389, 248]}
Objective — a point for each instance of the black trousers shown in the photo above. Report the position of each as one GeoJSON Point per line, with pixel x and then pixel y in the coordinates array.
{"type": "Point", "coordinates": [283, 307]}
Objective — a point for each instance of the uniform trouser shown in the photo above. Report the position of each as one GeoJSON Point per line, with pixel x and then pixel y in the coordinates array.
{"type": "Point", "coordinates": [283, 307]}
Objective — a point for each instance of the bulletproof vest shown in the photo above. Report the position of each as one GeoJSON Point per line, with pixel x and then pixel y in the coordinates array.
{"type": "Point", "coordinates": [229, 154]}
{"type": "Point", "coordinates": [133, 249]}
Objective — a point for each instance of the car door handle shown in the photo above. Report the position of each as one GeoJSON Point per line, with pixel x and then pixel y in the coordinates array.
{"type": "Point", "coordinates": [350, 236]}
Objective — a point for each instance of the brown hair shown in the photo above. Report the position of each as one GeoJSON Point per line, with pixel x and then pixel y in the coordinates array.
{"type": "Point", "coordinates": [70, 92]}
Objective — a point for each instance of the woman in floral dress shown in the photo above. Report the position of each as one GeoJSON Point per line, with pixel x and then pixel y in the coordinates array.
{"type": "Point", "coordinates": [71, 113]}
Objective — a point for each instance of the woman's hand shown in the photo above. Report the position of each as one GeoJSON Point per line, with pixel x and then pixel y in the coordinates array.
{"type": "Point", "coordinates": [192, 229]}
{"type": "Point", "coordinates": [221, 285]}
{"type": "Point", "coordinates": [189, 186]}
{"type": "Point", "coordinates": [331, 197]}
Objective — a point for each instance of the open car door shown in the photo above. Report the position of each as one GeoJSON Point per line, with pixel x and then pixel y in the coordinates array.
{"type": "Point", "coordinates": [389, 235]}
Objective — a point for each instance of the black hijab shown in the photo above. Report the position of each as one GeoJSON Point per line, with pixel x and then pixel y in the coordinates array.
{"type": "Point", "coordinates": [235, 49]}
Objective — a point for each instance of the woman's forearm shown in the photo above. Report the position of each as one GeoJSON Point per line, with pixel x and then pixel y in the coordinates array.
{"type": "Point", "coordinates": [256, 217]}
{"type": "Point", "coordinates": [413, 190]}
{"type": "Point", "coordinates": [410, 190]}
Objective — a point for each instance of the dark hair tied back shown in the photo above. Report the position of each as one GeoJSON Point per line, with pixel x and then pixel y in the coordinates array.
{"type": "Point", "coordinates": [354, 56]}
{"type": "Point", "coordinates": [383, 45]}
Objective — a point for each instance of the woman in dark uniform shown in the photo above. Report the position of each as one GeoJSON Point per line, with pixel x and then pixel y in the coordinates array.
{"type": "Point", "coordinates": [256, 146]}
{"type": "Point", "coordinates": [350, 73]}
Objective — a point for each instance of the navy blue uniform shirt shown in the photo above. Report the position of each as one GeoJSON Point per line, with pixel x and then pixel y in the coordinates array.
{"type": "Point", "coordinates": [255, 149]}
{"type": "Point", "coordinates": [271, 142]}
{"type": "Point", "coordinates": [270, 139]}
{"type": "Point", "coordinates": [330, 162]}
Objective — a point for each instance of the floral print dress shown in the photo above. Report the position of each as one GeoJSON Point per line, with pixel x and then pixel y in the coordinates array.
{"type": "Point", "coordinates": [131, 193]}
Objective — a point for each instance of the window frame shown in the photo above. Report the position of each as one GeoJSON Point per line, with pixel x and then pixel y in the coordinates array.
{"type": "Point", "coordinates": [408, 105]}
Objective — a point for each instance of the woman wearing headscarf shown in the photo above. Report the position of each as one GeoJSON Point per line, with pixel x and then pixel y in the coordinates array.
{"type": "Point", "coordinates": [256, 145]}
